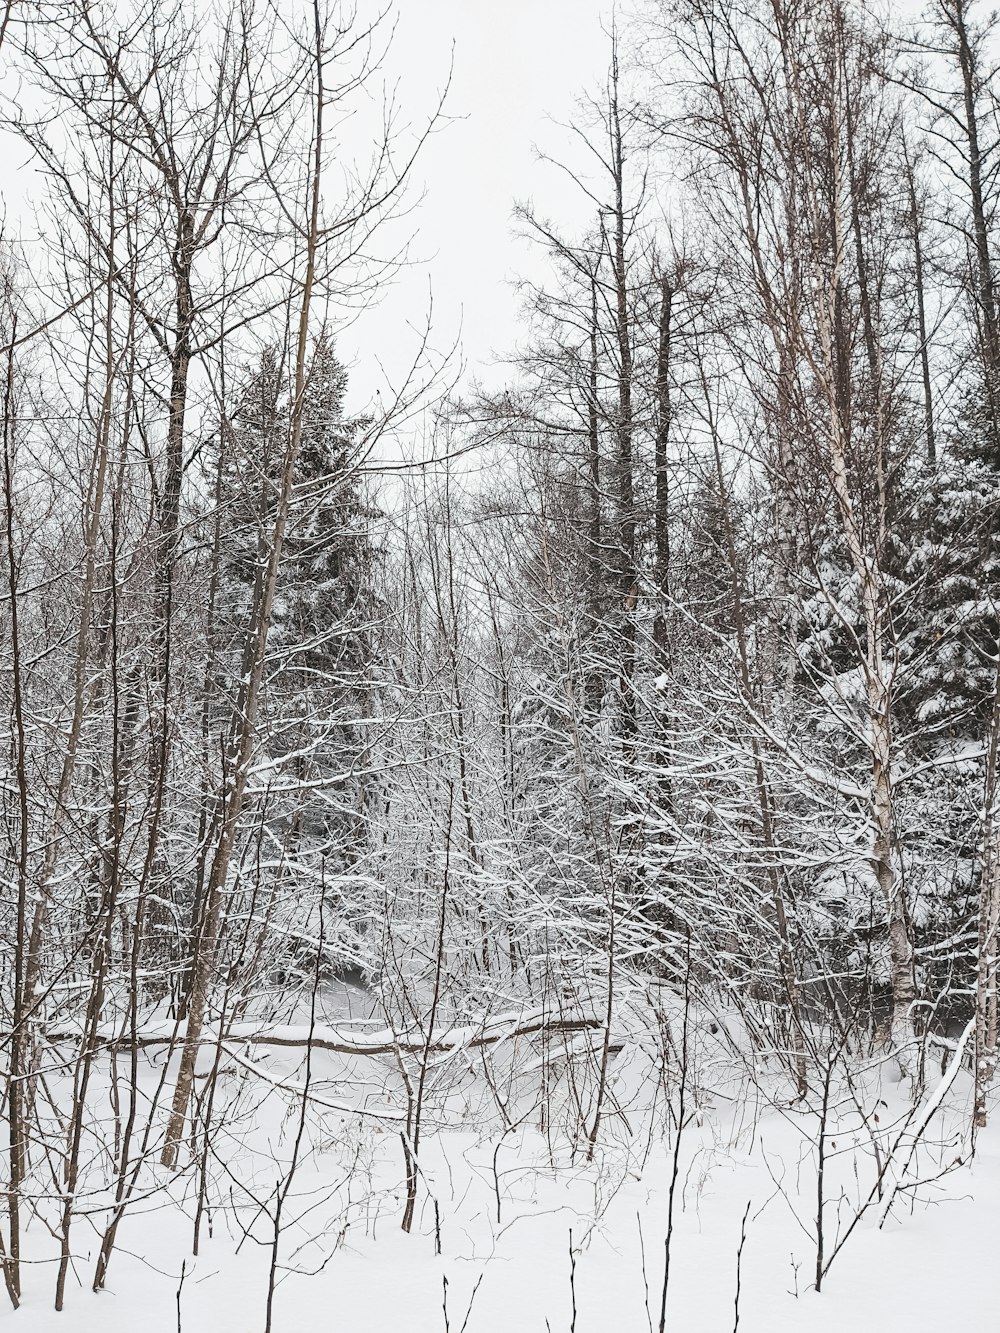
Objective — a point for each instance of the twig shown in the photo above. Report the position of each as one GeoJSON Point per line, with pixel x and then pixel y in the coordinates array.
{"type": "Point", "coordinates": [180, 1288]}
{"type": "Point", "coordinates": [739, 1263]}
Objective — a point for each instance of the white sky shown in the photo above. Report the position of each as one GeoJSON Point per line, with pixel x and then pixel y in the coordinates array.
{"type": "Point", "coordinates": [519, 68]}
{"type": "Point", "coordinates": [518, 65]}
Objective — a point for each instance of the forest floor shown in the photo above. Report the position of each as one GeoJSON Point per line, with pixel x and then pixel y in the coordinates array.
{"type": "Point", "coordinates": [527, 1227]}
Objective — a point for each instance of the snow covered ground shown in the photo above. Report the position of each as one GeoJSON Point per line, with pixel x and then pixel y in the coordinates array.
{"type": "Point", "coordinates": [527, 1227]}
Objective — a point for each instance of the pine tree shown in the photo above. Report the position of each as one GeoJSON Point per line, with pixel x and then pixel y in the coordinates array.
{"type": "Point", "coordinates": [317, 693]}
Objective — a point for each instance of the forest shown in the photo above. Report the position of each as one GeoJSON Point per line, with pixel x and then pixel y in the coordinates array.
{"type": "Point", "coordinates": [522, 852]}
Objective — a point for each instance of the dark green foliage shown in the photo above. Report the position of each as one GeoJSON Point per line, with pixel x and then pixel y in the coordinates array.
{"type": "Point", "coordinates": [319, 656]}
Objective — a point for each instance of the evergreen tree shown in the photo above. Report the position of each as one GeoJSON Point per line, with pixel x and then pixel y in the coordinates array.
{"type": "Point", "coordinates": [318, 679]}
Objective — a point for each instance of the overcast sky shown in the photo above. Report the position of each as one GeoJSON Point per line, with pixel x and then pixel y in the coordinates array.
{"type": "Point", "coordinates": [518, 66]}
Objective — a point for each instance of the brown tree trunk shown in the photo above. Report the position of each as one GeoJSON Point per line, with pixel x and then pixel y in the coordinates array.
{"type": "Point", "coordinates": [628, 578]}
{"type": "Point", "coordinates": [661, 502]}
{"type": "Point", "coordinates": [242, 730]}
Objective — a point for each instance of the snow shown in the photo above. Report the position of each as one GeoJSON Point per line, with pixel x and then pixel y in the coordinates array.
{"type": "Point", "coordinates": [898, 1279]}
{"type": "Point", "coordinates": [507, 1203]}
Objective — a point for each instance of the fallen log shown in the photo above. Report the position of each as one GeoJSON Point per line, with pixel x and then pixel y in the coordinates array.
{"type": "Point", "coordinates": [325, 1038]}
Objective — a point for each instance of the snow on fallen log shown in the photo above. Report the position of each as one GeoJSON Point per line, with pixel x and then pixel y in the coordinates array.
{"type": "Point", "coordinates": [322, 1037]}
